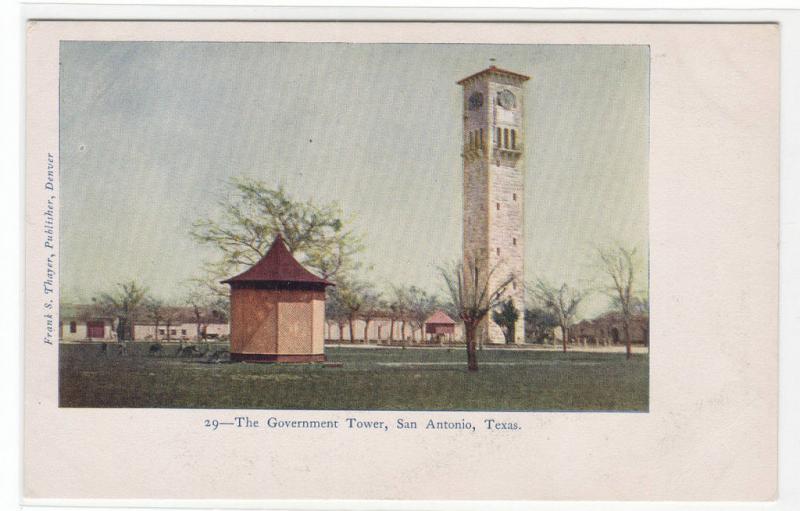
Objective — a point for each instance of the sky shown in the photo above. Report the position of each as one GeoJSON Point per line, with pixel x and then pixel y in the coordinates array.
{"type": "Point", "coordinates": [151, 132]}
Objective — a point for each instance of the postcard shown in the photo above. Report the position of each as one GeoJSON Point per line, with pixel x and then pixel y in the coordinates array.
{"type": "Point", "coordinates": [307, 260]}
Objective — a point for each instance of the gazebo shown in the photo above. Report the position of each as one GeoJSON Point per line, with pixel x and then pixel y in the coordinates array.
{"type": "Point", "coordinates": [439, 325]}
{"type": "Point", "coordinates": [277, 310]}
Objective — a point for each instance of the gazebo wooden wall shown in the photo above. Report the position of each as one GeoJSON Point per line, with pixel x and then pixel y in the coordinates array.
{"type": "Point", "coordinates": [277, 311]}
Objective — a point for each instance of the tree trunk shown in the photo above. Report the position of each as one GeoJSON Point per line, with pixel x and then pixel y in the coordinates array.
{"type": "Point", "coordinates": [627, 328]}
{"type": "Point", "coordinates": [156, 332]}
{"type": "Point", "coordinates": [122, 327]}
{"type": "Point", "coordinates": [472, 352]}
{"type": "Point", "coordinates": [564, 336]}
{"type": "Point", "coordinates": [391, 331]}
{"type": "Point", "coordinates": [350, 325]}
{"type": "Point", "coordinates": [366, 331]}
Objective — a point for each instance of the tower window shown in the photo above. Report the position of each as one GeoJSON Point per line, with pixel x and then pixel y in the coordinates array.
{"type": "Point", "coordinates": [513, 139]}
{"type": "Point", "coordinates": [498, 250]}
{"type": "Point", "coordinates": [470, 139]}
{"type": "Point", "coordinates": [514, 240]}
{"type": "Point", "coordinates": [505, 138]}
{"type": "Point", "coordinates": [498, 206]}
{"type": "Point", "coordinates": [514, 196]}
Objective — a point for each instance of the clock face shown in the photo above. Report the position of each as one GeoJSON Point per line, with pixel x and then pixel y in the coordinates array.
{"type": "Point", "coordinates": [506, 99]}
{"type": "Point", "coordinates": [475, 101]}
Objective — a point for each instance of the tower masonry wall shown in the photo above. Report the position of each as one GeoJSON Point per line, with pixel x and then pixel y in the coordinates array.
{"type": "Point", "coordinates": [494, 192]}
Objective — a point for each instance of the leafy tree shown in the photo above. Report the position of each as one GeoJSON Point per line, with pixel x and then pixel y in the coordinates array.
{"type": "Point", "coordinates": [125, 304]}
{"type": "Point", "coordinates": [539, 323]}
{"type": "Point", "coordinates": [253, 213]}
{"type": "Point", "coordinates": [473, 296]}
{"type": "Point", "coordinates": [620, 265]}
{"type": "Point", "coordinates": [562, 302]}
{"type": "Point", "coordinates": [506, 316]}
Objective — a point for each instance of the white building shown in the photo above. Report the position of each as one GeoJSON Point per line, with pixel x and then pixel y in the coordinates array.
{"type": "Point", "coordinates": [83, 322]}
{"type": "Point", "coordinates": [87, 323]}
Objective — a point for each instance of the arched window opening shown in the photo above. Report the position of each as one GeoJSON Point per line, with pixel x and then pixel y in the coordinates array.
{"type": "Point", "coordinates": [505, 138]}
{"type": "Point", "coordinates": [498, 140]}
{"type": "Point", "coordinates": [513, 139]}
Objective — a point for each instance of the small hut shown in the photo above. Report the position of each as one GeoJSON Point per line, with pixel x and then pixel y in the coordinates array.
{"type": "Point", "coordinates": [440, 325]}
{"type": "Point", "coordinates": [277, 310]}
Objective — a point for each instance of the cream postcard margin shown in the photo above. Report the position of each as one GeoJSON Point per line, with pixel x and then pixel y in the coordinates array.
{"type": "Point", "coordinates": [711, 431]}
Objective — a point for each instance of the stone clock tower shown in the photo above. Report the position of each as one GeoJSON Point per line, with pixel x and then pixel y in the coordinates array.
{"type": "Point", "coordinates": [494, 186]}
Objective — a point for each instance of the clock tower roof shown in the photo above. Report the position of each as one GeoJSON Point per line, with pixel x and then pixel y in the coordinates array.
{"type": "Point", "coordinates": [496, 71]}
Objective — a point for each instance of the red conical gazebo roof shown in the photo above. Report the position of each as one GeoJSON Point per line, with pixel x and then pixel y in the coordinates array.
{"type": "Point", "coordinates": [278, 266]}
{"type": "Point", "coordinates": [440, 318]}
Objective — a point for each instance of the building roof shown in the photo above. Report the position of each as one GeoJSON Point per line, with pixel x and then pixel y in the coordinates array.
{"type": "Point", "coordinates": [495, 70]}
{"type": "Point", "coordinates": [278, 266]}
{"type": "Point", "coordinates": [82, 312]}
{"type": "Point", "coordinates": [173, 314]}
{"type": "Point", "coordinates": [440, 318]}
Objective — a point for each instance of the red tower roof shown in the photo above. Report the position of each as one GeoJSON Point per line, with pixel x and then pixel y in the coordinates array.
{"type": "Point", "coordinates": [278, 266]}
{"type": "Point", "coordinates": [495, 70]}
{"type": "Point", "coordinates": [440, 318]}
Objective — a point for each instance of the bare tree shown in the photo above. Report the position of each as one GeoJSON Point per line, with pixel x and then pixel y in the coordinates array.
{"type": "Point", "coordinates": [371, 306]}
{"type": "Point", "coordinates": [398, 306]}
{"type": "Point", "coordinates": [620, 265]}
{"type": "Point", "coordinates": [562, 302]}
{"type": "Point", "coordinates": [336, 310]}
{"type": "Point", "coordinates": [155, 312]}
{"type": "Point", "coordinates": [352, 296]}
{"type": "Point", "coordinates": [198, 299]}
{"type": "Point", "coordinates": [170, 315]}
{"type": "Point", "coordinates": [473, 296]}
{"type": "Point", "coordinates": [420, 307]}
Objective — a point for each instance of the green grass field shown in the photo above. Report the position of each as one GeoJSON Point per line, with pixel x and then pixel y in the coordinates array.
{"type": "Point", "coordinates": [369, 379]}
